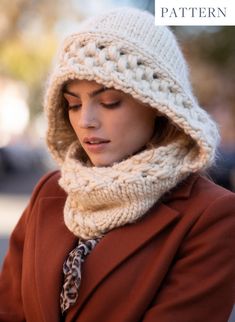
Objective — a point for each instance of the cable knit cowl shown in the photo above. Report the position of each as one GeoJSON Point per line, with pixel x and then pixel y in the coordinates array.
{"type": "Point", "coordinates": [103, 198]}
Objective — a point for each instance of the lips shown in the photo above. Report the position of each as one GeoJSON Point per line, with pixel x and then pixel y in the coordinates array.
{"type": "Point", "coordinates": [95, 145]}
{"type": "Point", "coordinates": [94, 140]}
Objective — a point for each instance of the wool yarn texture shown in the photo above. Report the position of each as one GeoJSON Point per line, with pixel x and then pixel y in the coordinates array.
{"type": "Point", "coordinates": [124, 49]}
{"type": "Point", "coordinates": [103, 198]}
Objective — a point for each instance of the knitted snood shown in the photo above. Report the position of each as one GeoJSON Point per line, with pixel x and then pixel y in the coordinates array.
{"type": "Point", "coordinates": [103, 198]}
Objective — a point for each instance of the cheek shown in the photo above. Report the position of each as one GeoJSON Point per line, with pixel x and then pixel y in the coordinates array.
{"type": "Point", "coordinates": [120, 125]}
{"type": "Point", "coordinates": [114, 122]}
{"type": "Point", "coordinates": [146, 120]}
{"type": "Point", "coordinates": [134, 127]}
{"type": "Point", "coordinates": [141, 123]}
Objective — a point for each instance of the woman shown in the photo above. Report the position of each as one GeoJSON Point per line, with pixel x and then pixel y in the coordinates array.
{"type": "Point", "coordinates": [129, 229]}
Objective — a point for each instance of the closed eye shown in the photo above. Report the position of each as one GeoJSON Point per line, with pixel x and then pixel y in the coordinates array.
{"type": "Point", "coordinates": [111, 105]}
{"type": "Point", "coordinates": [74, 107]}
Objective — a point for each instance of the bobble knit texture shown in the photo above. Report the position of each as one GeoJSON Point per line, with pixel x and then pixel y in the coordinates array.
{"type": "Point", "coordinates": [124, 49]}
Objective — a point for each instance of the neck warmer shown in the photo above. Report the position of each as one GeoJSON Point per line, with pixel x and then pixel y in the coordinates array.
{"type": "Point", "coordinates": [103, 198]}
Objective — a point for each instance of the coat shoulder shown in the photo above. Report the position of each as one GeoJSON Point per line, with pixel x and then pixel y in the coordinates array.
{"type": "Point", "coordinates": [205, 189]}
{"type": "Point", "coordinates": [198, 192]}
{"type": "Point", "coordinates": [48, 185]}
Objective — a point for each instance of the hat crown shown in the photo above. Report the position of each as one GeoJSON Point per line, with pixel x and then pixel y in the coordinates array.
{"type": "Point", "coordinates": [138, 27]}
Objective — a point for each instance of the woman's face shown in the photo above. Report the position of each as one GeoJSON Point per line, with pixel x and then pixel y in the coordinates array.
{"type": "Point", "coordinates": [109, 124]}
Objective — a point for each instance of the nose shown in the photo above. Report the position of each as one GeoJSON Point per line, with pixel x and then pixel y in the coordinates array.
{"type": "Point", "coordinates": [88, 118]}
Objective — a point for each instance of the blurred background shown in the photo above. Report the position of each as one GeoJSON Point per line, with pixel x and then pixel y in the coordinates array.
{"type": "Point", "coordinates": [30, 32]}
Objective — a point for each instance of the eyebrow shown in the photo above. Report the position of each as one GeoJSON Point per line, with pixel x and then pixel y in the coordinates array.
{"type": "Point", "coordinates": [92, 94]}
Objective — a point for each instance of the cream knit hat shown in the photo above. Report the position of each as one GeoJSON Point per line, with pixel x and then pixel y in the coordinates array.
{"type": "Point", "coordinates": [124, 49]}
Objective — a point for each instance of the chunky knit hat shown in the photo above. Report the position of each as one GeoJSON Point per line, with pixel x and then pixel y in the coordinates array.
{"type": "Point", "coordinates": [124, 49]}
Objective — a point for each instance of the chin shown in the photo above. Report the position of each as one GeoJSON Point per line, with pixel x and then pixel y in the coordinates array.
{"type": "Point", "coordinates": [102, 162]}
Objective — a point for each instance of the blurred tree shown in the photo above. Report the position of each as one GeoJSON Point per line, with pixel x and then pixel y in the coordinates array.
{"type": "Point", "coordinates": [211, 55]}
{"type": "Point", "coordinates": [18, 15]}
{"type": "Point", "coordinates": [28, 63]}
{"type": "Point", "coordinates": [28, 41]}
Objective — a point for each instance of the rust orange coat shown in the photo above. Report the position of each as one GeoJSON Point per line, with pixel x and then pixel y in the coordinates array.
{"type": "Point", "coordinates": [175, 265]}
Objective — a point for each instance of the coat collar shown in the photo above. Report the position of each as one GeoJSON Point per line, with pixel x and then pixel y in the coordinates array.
{"type": "Point", "coordinates": [125, 240]}
{"type": "Point", "coordinates": [182, 190]}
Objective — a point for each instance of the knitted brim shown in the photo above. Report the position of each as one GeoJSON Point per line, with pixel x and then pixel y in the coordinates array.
{"type": "Point", "coordinates": [140, 67]}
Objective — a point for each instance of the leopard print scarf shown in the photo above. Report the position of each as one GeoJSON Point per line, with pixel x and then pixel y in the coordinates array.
{"type": "Point", "coordinates": [72, 272]}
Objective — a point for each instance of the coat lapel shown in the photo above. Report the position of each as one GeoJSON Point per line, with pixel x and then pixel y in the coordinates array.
{"type": "Point", "coordinates": [53, 243]}
{"type": "Point", "coordinates": [116, 246]}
